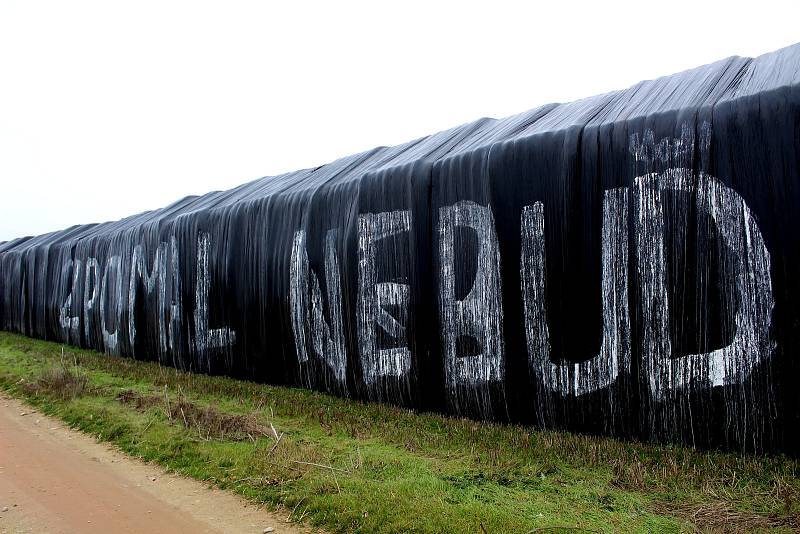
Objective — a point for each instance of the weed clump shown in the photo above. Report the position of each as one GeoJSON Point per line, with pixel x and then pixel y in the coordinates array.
{"type": "Point", "coordinates": [60, 381]}
{"type": "Point", "coordinates": [209, 422]}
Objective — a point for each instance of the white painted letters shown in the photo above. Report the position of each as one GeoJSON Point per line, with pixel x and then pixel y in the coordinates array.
{"type": "Point", "coordinates": [206, 338]}
{"type": "Point", "coordinates": [90, 294]}
{"type": "Point", "coordinates": [746, 274]}
{"type": "Point", "coordinates": [478, 315]}
{"type": "Point", "coordinates": [375, 297]}
{"type": "Point", "coordinates": [602, 370]}
{"type": "Point", "coordinates": [69, 321]}
{"type": "Point", "coordinates": [305, 296]}
{"type": "Point", "coordinates": [111, 340]}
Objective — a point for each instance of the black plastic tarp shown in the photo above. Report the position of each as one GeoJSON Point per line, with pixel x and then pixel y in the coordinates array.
{"type": "Point", "coordinates": [625, 264]}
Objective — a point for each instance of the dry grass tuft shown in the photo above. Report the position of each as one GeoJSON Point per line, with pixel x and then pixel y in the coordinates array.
{"type": "Point", "coordinates": [209, 422]}
{"type": "Point", "coordinates": [720, 516]}
{"type": "Point", "coordinates": [140, 402]}
{"type": "Point", "coordinates": [629, 474]}
{"type": "Point", "coordinates": [60, 382]}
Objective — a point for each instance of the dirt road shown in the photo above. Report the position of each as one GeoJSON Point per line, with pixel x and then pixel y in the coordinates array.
{"type": "Point", "coordinates": [54, 479]}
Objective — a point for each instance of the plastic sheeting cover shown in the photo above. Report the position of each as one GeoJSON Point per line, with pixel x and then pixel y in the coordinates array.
{"type": "Point", "coordinates": [625, 264]}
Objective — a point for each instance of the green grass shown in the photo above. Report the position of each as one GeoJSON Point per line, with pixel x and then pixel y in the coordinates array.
{"type": "Point", "coordinates": [387, 470]}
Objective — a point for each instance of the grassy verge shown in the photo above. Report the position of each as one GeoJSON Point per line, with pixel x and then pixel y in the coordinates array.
{"type": "Point", "coordinates": [354, 467]}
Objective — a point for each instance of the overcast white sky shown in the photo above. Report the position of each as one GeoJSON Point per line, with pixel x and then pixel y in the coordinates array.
{"type": "Point", "coordinates": [111, 108]}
